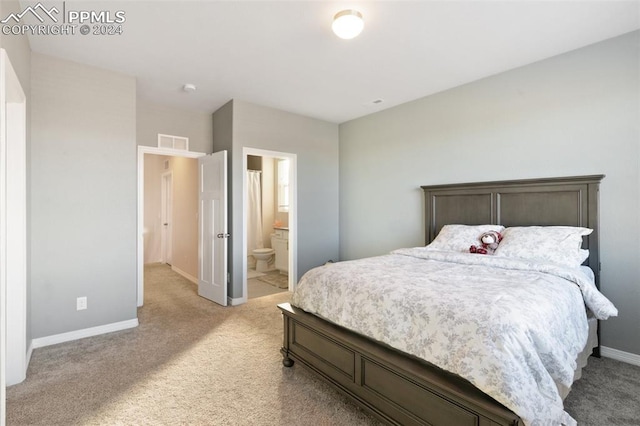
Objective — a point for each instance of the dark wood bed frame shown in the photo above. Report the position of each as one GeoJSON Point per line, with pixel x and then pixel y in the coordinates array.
{"type": "Point", "coordinates": [400, 389]}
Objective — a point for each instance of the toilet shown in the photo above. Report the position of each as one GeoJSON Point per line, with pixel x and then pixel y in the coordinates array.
{"type": "Point", "coordinates": [263, 257]}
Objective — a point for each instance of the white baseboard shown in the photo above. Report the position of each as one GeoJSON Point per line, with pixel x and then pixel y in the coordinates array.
{"type": "Point", "coordinates": [237, 301]}
{"type": "Point", "coordinates": [81, 334]}
{"type": "Point", "coordinates": [184, 274]}
{"type": "Point", "coordinates": [29, 352]}
{"type": "Point", "coordinates": [618, 355]}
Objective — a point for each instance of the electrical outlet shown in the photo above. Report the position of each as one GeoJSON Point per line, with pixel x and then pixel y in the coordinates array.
{"type": "Point", "coordinates": [81, 303]}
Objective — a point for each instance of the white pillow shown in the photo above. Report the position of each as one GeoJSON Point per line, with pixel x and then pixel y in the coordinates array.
{"type": "Point", "coordinates": [460, 237]}
{"type": "Point", "coordinates": [545, 244]}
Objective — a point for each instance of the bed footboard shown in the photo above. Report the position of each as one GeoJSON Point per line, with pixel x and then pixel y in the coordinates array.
{"type": "Point", "coordinates": [395, 387]}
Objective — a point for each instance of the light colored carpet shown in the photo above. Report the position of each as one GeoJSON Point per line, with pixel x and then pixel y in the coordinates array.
{"type": "Point", "coordinates": [191, 362]}
{"type": "Point", "coordinates": [607, 394]}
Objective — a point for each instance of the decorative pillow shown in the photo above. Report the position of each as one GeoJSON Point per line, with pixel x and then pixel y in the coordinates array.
{"type": "Point", "coordinates": [460, 237]}
{"type": "Point", "coordinates": [546, 244]}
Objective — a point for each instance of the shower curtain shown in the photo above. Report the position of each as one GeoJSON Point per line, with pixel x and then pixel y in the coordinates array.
{"type": "Point", "coordinates": [254, 213]}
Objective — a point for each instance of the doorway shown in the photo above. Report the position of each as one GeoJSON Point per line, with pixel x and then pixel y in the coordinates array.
{"type": "Point", "coordinates": [142, 151]}
{"type": "Point", "coordinates": [279, 218]}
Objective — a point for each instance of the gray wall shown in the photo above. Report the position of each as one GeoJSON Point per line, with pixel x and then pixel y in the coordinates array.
{"type": "Point", "coordinates": [83, 196]}
{"type": "Point", "coordinates": [154, 118]}
{"type": "Point", "coordinates": [315, 143]}
{"type": "Point", "coordinates": [573, 114]}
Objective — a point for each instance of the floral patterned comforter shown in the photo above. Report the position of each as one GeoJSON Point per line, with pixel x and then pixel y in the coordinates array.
{"type": "Point", "coordinates": [508, 326]}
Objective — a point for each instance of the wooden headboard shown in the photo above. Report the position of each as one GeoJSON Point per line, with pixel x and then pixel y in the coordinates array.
{"type": "Point", "coordinates": [568, 201]}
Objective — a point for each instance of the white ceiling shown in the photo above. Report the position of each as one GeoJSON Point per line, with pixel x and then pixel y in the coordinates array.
{"type": "Point", "coordinates": [284, 55]}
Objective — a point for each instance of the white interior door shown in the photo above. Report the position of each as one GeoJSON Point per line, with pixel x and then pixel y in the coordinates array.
{"type": "Point", "coordinates": [212, 275]}
{"type": "Point", "coordinates": [167, 218]}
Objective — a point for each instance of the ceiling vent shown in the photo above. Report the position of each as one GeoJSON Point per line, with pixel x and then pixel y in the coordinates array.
{"type": "Point", "coordinates": [173, 142]}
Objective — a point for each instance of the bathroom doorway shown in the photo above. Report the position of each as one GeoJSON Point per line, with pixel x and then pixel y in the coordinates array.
{"type": "Point", "coordinates": [269, 254]}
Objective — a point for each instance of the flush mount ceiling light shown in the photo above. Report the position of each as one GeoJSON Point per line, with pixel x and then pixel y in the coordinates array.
{"type": "Point", "coordinates": [347, 24]}
{"type": "Point", "coordinates": [189, 87]}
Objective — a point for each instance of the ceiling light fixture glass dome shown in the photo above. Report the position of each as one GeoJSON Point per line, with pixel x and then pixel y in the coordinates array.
{"type": "Point", "coordinates": [347, 24]}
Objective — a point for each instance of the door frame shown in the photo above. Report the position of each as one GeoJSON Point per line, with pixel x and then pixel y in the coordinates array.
{"type": "Point", "coordinates": [293, 214]}
{"type": "Point", "coordinates": [166, 203]}
{"type": "Point", "coordinates": [142, 150]}
{"type": "Point", "coordinates": [14, 354]}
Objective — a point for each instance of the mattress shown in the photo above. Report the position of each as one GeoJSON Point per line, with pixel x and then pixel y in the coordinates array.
{"type": "Point", "coordinates": [513, 329]}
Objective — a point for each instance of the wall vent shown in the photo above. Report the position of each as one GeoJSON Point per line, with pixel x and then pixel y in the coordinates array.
{"type": "Point", "coordinates": [173, 142]}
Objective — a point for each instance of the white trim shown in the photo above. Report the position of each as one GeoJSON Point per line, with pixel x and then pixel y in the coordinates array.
{"type": "Point", "coordinates": [293, 214]}
{"type": "Point", "coordinates": [142, 150]}
{"type": "Point", "coordinates": [29, 352]}
{"type": "Point", "coordinates": [81, 334]}
{"type": "Point", "coordinates": [185, 274]}
{"type": "Point", "coordinates": [13, 230]}
{"type": "Point", "coordinates": [3, 242]}
{"type": "Point", "coordinates": [619, 355]}
{"type": "Point", "coordinates": [237, 301]}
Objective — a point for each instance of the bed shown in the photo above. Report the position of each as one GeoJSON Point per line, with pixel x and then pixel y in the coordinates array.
{"type": "Point", "coordinates": [400, 387]}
